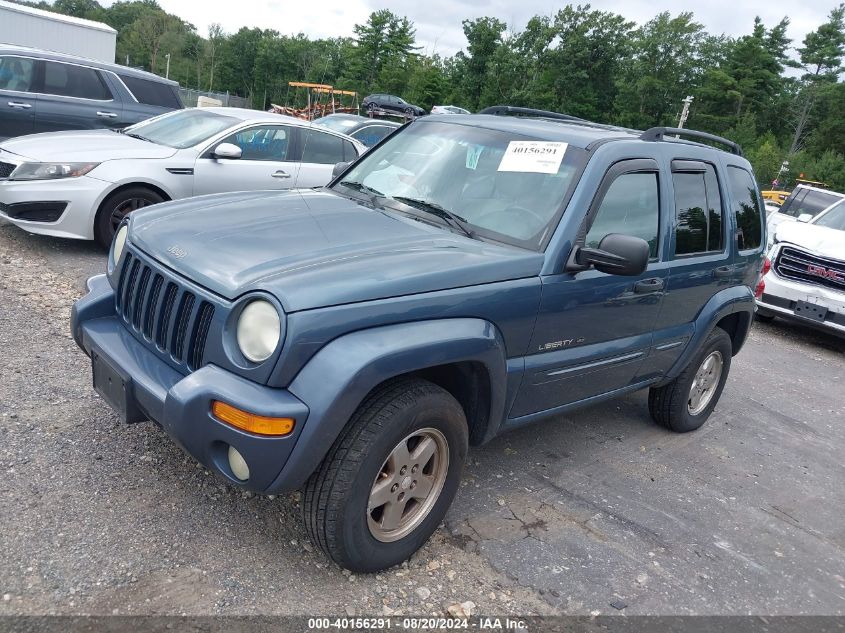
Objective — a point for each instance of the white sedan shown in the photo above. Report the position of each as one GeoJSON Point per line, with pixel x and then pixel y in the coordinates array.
{"type": "Point", "coordinates": [448, 109]}
{"type": "Point", "coordinates": [82, 184]}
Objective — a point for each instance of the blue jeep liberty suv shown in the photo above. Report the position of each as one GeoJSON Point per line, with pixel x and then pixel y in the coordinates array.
{"type": "Point", "coordinates": [467, 276]}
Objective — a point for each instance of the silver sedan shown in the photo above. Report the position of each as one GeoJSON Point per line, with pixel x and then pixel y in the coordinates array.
{"type": "Point", "coordinates": [82, 184]}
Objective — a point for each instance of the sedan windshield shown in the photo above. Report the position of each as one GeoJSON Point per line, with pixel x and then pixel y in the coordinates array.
{"type": "Point", "coordinates": [834, 218]}
{"type": "Point", "coordinates": [482, 182]}
{"type": "Point", "coordinates": [182, 129]}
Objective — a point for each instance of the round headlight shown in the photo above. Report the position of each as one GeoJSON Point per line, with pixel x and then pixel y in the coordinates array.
{"type": "Point", "coordinates": [119, 242]}
{"type": "Point", "coordinates": [259, 330]}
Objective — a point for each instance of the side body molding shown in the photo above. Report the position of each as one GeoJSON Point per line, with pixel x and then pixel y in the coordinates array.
{"type": "Point", "coordinates": [338, 378]}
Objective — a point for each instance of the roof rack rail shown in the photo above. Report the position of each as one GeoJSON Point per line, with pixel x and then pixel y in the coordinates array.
{"type": "Point", "coordinates": [657, 134]}
{"type": "Point", "coordinates": [529, 112]}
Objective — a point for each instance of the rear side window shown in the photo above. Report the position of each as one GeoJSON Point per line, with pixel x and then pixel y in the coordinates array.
{"type": "Point", "coordinates": [152, 93]}
{"type": "Point", "coordinates": [17, 73]}
{"type": "Point", "coordinates": [372, 134]}
{"type": "Point", "coordinates": [630, 206]}
{"type": "Point", "coordinates": [69, 80]}
{"type": "Point", "coordinates": [698, 207]}
{"type": "Point", "coordinates": [746, 208]}
{"type": "Point", "coordinates": [322, 148]}
{"type": "Point", "coordinates": [812, 202]}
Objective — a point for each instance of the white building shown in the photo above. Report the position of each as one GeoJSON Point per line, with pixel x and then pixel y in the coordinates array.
{"type": "Point", "coordinates": [25, 26]}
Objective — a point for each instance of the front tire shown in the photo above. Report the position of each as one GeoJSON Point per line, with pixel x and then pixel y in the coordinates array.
{"type": "Point", "coordinates": [390, 477]}
{"type": "Point", "coordinates": [685, 403]}
{"type": "Point", "coordinates": [116, 207]}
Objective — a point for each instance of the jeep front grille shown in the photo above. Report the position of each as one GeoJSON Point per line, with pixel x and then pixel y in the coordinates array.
{"type": "Point", "coordinates": [166, 315]}
{"type": "Point", "coordinates": [800, 265]}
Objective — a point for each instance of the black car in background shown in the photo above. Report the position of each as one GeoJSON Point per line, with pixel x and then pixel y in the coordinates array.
{"type": "Point", "coordinates": [364, 129]}
{"type": "Point", "coordinates": [42, 91]}
{"type": "Point", "coordinates": [391, 103]}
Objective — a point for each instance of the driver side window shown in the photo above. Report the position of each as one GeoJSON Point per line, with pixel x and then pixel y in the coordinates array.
{"type": "Point", "coordinates": [262, 143]}
{"type": "Point", "coordinates": [631, 207]}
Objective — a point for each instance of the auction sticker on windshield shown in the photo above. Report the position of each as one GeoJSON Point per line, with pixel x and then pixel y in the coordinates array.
{"type": "Point", "coordinates": [538, 157]}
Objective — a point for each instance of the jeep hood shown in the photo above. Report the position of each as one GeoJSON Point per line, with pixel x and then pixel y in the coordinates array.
{"type": "Point", "coordinates": [821, 240]}
{"type": "Point", "coordinates": [83, 146]}
{"type": "Point", "coordinates": [314, 248]}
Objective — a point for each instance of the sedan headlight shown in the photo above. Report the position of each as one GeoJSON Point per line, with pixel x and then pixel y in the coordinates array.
{"type": "Point", "coordinates": [51, 171]}
{"type": "Point", "coordinates": [259, 330]}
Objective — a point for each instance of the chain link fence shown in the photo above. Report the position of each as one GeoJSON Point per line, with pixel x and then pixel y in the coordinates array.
{"type": "Point", "coordinates": [190, 97]}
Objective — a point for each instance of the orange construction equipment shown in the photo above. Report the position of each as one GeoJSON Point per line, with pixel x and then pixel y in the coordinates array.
{"type": "Point", "coordinates": [316, 107]}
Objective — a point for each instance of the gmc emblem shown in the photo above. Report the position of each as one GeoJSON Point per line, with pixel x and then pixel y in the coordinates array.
{"type": "Point", "coordinates": [827, 273]}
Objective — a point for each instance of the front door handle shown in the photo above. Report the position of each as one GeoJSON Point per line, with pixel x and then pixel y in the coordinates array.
{"type": "Point", "coordinates": [280, 174]}
{"type": "Point", "coordinates": [107, 115]}
{"type": "Point", "coordinates": [18, 104]}
{"type": "Point", "coordinates": [649, 285]}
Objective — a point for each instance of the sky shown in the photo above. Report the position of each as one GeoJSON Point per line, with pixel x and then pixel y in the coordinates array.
{"type": "Point", "coordinates": [438, 22]}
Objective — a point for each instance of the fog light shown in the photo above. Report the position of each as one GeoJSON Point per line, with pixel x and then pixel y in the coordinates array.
{"type": "Point", "coordinates": [238, 464]}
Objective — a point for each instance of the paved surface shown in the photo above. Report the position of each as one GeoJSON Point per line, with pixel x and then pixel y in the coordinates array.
{"type": "Point", "coordinates": [599, 507]}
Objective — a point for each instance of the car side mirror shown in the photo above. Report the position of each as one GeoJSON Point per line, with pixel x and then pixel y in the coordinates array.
{"type": "Point", "coordinates": [339, 168]}
{"type": "Point", "coordinates": [617, 254]}
{"type": "Point", "coordinates": [227, 150]}
{"type": "Point", "coordinates": [805, 217]}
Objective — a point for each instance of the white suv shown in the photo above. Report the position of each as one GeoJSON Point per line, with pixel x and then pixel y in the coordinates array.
{"type": "Point", "coordinates": [805, 281]}
{"type": "Point", "coordinates": [803, 203]}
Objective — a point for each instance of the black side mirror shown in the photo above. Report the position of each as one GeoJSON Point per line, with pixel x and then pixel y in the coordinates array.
{"type": "Point", "coordinates": [617, 254]}
{"type": "Point", "coordinates": [340, 168]}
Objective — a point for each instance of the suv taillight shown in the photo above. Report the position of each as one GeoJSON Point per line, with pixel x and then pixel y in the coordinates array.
{"type": "Point", "coordinates": [761, 285]}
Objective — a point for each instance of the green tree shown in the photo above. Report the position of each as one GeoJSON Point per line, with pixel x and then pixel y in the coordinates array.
{"type": "Point", "coordinates": [821, 58]}
{"type": "Point", "coordinates": [385, 45]}
{"type": "Point", "coordinates": [662, 71]}
{"type": "Point", "coordinates": [484, 37]}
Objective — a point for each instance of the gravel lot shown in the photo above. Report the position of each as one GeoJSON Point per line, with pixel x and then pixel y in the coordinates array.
{"type": "Point", "coordinates": [599, 507]}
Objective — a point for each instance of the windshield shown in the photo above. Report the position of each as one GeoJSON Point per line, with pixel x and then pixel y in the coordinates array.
{"type": "Point", "coordinates": [338, 124]}
{"type": "Point", "coordinates": [804, 201]}
{"type": "Point", "coordinates": [182, 129]}
{"type": "Point", "coordinates": [833, 219]}
{"type": "Point", "coordinates": [503, 186]}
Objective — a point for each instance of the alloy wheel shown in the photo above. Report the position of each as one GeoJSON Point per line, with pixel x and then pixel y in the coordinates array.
{"type": "Point", "coordinates": [125, 208]}
{"type": "Point", "coordinates": [705, 383]}
{"type": "Point", "coordinates": [408, 485]}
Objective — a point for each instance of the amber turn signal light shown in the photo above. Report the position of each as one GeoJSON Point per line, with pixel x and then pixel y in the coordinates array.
{"type": "Point", "coordinates": [250, 422]}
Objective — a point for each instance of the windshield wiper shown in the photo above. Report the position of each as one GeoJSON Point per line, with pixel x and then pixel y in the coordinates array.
{"type": "Point", "coordinates": [451, 218]}
{"type": "Point", "coordinates": [360, 186]}
{"type": "Point", "coordinates": [139, 137]}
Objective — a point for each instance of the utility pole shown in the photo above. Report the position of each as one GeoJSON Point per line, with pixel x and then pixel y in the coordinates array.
{"type": "Point", "coordinates": [685, 112]}
{"type": "Point", "coordinates": [784, 167]}
{"type": "Point", "coordinates": [167, 72]}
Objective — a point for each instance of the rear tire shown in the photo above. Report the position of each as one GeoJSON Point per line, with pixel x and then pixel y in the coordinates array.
{"type": "Point", "coordinates": [685, 403]}
{"type": "Point", "coordinates": [117, 206]}
{"type": "Point", "coordinates": [353, 504]}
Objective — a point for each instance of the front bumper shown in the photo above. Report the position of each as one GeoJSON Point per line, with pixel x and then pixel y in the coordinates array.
{"type": "Point", "coordinates": [782, 295]}
{"type": "Point", "coordinates": [79, 199]}
{"type": "Point", "coordinates": [181, 404]}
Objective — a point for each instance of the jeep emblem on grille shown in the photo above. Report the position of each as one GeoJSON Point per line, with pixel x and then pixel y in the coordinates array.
{"type": "Point", "coordinates": [177, 251]}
